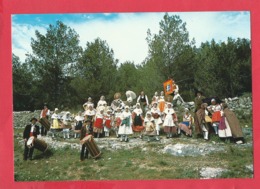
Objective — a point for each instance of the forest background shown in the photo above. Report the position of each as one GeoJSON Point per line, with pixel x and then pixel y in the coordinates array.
{"type": "Point", "coordinates": [63, 74]}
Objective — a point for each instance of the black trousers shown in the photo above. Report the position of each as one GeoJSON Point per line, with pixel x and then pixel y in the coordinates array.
{"type": "Point", "coordinates": [43, 131]}
{"type": "Point", "coordinates": [84, 152]}
{"type": "Point", "coordinates": [28, 152]}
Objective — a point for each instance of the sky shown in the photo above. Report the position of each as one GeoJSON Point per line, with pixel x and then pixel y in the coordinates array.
{"type": "Point", "coordinates": [126, 33]}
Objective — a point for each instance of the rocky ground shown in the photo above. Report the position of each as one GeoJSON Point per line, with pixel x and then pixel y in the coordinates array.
{"type": "Point", "coordinates": [181, 146]}
{"type": "Point", "coordinates": [176, 147]}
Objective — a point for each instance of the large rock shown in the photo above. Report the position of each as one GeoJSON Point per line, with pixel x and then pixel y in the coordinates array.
{"type": "Point", "coordinates": [194, 149]}
{"type": "Point", "coordinates": [209, 172]}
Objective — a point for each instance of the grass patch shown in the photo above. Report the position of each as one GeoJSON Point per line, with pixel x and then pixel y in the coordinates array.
{"type": "Point", "coordinates": [135, 164]}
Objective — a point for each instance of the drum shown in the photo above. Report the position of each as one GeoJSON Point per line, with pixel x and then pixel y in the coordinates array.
{"type": "Point", "coordinates": [30, 142]}
{"type": "Point", "coordinates": [91, 146]}
{"type": "Point", "coordinates": [45, 123]}
{"type": "Point", "coordinates": [40, 145]}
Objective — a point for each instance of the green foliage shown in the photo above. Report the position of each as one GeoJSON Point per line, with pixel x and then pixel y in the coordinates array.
{"type": "Point", "coordinates": [224, 69]}
{"type": "Point", "coordinates": [96, 74]}
{"type": "Point", "coordinates": [51, 63]}
{"type": "Point", "coordinates": [64, 75]}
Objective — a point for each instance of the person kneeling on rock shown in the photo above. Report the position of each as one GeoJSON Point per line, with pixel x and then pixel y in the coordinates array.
{"type": "Point", "coordinates": [85, 132]}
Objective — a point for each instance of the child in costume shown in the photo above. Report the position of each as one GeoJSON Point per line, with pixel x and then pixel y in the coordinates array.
{"type": "Point", "coordinates": [125, 128]}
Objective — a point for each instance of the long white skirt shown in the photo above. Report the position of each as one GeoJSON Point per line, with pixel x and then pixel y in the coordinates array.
{"type": "Point", "coordinates": [125, 130]}
{"type": "Point", "coordinates": [168, 121]}
{"type": "Point", "coordinates": [225, 132]}
{"type": "Point", "coordinates": [157, 123]}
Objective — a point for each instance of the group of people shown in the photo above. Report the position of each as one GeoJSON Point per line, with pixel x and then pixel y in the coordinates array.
{"type": "Point", "coordinates": [139, 119]}
{"type": "Point", "coordinates": [217, 118]}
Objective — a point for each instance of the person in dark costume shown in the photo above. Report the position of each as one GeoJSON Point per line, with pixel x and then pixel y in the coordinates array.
{"type": "Point", "coordinates": [30, 130]}
{"type": "Point", "coordinates": [85, 131]}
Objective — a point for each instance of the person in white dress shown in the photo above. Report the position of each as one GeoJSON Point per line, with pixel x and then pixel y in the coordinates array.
{"type": "Point", "coordinates": [156, 114]}
{"type": "Point", "coordinates": [125, 127]}
{"type": "Point", "coordinates": [169, 119]}
{"type": "Point", "coordinates": [102, 104]}
{"type": "Point", "coordinates": [89, 114]}
{"type": "Point", "coordinates": [87, 104]}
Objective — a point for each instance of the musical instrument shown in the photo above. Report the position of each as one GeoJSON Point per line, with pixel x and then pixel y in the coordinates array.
{"type": "Point", "coordinates": [91, 145]}
{"type": "Point", "coordinates": [45, 123]}
{"type": "Point", "coordinates": [29, 142]}
{"type": "Point", "coordinates": [36, 143]}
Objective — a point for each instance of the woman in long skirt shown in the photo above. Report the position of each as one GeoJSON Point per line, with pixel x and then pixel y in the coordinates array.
{"type": "Point", "coordinates": [125, 128]}
{"type": "Point", "coordinates": [232, 122]}
{"type": "Point", "coordinates": [169, 119]}
{"type": "Point", "coordinates": [156, 114]}
{"type": "Point", "coordinates": [215, 109]}
{"type": "Point", "coordinates": [108, 119]}
{"type": "Point", "coordinates": [138, 120]}
{"type": "Point", "coordinates": [98, 124]}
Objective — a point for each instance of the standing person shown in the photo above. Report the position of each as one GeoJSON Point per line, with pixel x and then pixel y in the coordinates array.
{"type": "Point", "coordinates": [85, 131]}
{"type": "Point", "coordinates": [161, 102]}
{"type": "Point", "coordinates": [98, 122]}
{"type": "Point", "coordinates": [55, 121]}
{"type": "Point", "coordinates": [87, 104]}
{"type": "Point", "coordinates": [176, 93]}
{"type": "Point", "coordinates": [45, 113]}
{"type": "Point", "coordinates": [201, 128]}
{"type": "Point", "coordinates": [169, 119]}
{"type": "Point", "coordinates": [143, 100]}
{"type": "Point", "coordinates": [154, 101]}
{"type": "Point", "coordinates": [150, 128]}
{"type": "Point", "coordinates": [108, 120]}
{"type": "Point", "coordinates": [232, 122]}
{"type": "Point", "coordinates": [137, 117]}
{"type": "Point", "coordinates": [89, 114]}
{"type": "Point", "coordinates": [102, 103]}
{"type": "Point", "coordinates": [156, 114]}
{"type": "Point", "coordinates": [30, 130]}
{"type": "Point", "coordinates": [156, 96]}
{"type": "Point", "coordinates": [117, 120]}
{"type": "Point", "coordinates": [66, 125]}
{"type": "Point", "coordinates": [79, 122]}
{"type": "Point", "coordinates": [198, 100]}
{"type": "Point", "coordinates": [215, 109]}
{"type": "Point", "coordinates": [125, 128]}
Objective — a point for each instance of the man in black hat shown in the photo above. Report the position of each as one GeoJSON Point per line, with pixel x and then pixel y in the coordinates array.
{"type": "Point", "coordinates": [30, 130]}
